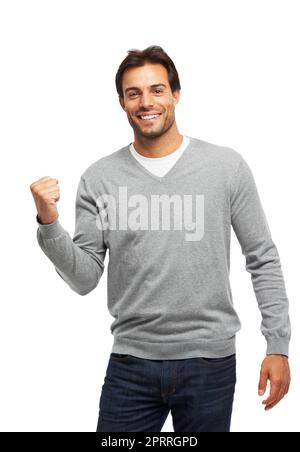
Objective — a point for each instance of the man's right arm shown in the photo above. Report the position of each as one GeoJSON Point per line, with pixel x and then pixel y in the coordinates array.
{"type": "Point", "coordinates": [79, 261]}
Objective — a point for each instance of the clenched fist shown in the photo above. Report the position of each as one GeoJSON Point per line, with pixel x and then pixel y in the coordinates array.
{"type": "Point", "coordinates": [45, 192]}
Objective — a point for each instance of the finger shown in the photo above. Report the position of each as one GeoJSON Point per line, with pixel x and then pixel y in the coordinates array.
{"type": "Point", "coordinates": [274, 402]}
{"type": "Point", "coordinates": [42, 179]}
{"type": "Point", "coordinates": [39, 189]}
{"type": "Point", "coordinates": [274, 393]}
{"type": "Point", "coordinates": [262, 385]}
{"type": "Point", "coordinates": [271, 405]}
{"type": "Point", "coordinates": [49, 183]}
{"type": "Point", "coordinates": [53, 192]}
{"type": "Point", "coordinates": [52, 196]}
{"type": "Point", "coordinates": [47, 191]}
{"type": "Point", "coordinates": [284, 391]}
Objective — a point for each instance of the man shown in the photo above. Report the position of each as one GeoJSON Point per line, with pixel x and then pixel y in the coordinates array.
{"type": "Point", "coordinates": [164, 206]}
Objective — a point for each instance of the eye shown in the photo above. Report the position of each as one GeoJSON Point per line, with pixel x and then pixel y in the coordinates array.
{"type": "Point", "coordinates": [134, 93]}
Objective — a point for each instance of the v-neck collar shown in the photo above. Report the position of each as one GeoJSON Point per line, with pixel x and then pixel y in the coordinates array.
{"type": "Point", "coordinates": [171, 170]}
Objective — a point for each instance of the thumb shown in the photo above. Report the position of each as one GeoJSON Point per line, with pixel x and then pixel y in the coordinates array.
{"type": "Point", "coordinates": [262, 382]}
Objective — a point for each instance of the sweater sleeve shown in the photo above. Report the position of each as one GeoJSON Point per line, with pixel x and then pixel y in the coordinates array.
{"type": "Point", "coordinates": [262, 260]}
{"type": "Point", "coordinates": [78, 261]}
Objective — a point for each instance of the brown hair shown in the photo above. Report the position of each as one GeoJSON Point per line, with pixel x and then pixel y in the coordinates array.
{"type": "Point", "coordinates": [152, 54]}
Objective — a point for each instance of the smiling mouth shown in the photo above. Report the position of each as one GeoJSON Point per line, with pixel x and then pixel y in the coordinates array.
{"type": "Point", "coordinates": [148, 118]}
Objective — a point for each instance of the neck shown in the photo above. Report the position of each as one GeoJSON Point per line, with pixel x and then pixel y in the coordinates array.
{"type": "Point", "coordinates": [159, 146]}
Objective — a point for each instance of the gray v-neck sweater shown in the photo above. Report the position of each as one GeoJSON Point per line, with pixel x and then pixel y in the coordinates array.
{"type": "Point", "coordinates": [168, 237]}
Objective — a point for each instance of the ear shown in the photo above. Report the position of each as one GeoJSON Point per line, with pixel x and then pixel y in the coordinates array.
{"type": "Point", "coordinates": [176, 96]}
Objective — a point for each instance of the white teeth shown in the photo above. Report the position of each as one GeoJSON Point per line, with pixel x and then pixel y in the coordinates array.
{"type": "Point", "coordinates": [149, 117]}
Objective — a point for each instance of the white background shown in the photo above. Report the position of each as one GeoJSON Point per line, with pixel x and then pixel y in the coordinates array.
{"type": "Point", "coordinates": [238, 63]}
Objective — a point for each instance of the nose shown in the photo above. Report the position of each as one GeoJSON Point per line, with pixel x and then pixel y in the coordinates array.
{"type": "Point", "coordinates": [146, 100]}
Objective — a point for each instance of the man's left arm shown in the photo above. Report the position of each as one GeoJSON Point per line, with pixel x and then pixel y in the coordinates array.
{"type": "Point", "coordinates": [263, 263]}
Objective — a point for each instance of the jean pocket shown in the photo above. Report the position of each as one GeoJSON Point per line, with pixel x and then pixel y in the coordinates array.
{"type": "Point", "coordinates": [119, 356]}
{"type": "Point", "coordinates": [215, 362]}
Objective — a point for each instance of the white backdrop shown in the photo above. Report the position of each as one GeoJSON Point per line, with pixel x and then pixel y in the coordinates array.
{"type": "Point", "coordinates": [238, 63]}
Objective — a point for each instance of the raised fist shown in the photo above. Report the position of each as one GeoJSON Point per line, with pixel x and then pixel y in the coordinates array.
{"type": "Point", "coordinates": [45, 192]}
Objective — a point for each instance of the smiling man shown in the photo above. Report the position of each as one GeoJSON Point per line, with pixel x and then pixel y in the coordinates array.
{"type": "Point", "coordinates": [164, 206]}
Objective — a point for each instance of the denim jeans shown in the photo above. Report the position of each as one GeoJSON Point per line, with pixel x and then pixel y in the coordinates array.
{"type": "Point", "coordinates": [138, 394]}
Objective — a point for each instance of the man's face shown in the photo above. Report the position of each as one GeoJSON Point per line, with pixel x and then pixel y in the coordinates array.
{"type": "Point", "coordinates": [147, 91]}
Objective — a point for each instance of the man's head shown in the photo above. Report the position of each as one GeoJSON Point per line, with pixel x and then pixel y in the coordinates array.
{"type": "Point", "coordinates": [147, 83]}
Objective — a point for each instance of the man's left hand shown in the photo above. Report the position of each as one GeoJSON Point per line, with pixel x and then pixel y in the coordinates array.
{"type": "Point", "coordinates": [276, 369]}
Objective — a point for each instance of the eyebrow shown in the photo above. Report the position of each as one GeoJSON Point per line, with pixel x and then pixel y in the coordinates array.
{"type": "Point", "coordinates": [152, 86]}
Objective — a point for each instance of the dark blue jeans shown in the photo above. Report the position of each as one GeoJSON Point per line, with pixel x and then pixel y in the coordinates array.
{"type": "Point", "coordinates": [138, 394]}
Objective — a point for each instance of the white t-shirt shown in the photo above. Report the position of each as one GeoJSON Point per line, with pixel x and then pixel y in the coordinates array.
{"type": "Point", "coordinates": [160, 165]}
